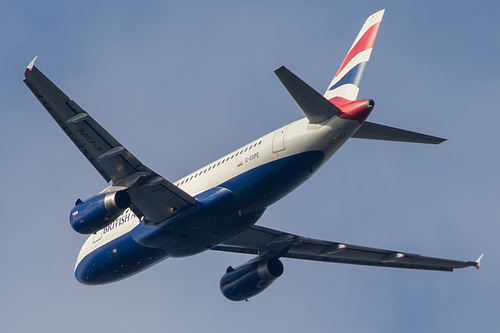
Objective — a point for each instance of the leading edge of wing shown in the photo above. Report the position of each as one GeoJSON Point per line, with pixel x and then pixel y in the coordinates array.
{"type": "Point", "coordinates": [154, 196]}
{"type": "Point", "coordinates": [261, 240]}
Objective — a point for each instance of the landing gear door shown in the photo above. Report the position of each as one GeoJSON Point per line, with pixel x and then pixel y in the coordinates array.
{"type": "Point", "coordinates": [279, 140]}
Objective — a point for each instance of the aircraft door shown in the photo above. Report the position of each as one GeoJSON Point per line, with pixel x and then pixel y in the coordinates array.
{"type": "Point", "coordinates": [97, 236]}
{"type": "Point", "coordinates": [279, 140]}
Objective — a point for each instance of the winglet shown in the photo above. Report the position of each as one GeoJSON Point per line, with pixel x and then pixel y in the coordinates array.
{"type": "Point", "coordinates": [31, 64]}
{"type": "Point", "coordinates": [478, 261]}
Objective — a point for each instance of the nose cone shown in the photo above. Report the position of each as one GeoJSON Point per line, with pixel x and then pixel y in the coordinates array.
{"type": "Point", "coordinates": [90, 273]}
{"type": "Point", "coordinates": [357, 110]}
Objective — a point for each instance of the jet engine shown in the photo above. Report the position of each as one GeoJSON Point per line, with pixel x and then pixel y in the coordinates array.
{"type": "Point", "coordinates": [98, 211]}
{"type": "Point", "coordinates": [250, 279]}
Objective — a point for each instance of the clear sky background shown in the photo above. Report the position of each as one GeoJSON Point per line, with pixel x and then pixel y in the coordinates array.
{"type": "Point", "coordinates": [182, 83]}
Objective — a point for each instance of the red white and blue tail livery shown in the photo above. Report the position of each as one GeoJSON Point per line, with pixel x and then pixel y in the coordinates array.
{"type": "Point", "coordinates": [141, 218]}
{"type": "Point", "coordinates": [344, 87]}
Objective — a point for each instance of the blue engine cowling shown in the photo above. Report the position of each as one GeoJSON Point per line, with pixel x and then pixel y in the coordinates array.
{"type": "Point", "coordinates": [98, 211]}
{"type": "Point", "coordinates": [250, 279]}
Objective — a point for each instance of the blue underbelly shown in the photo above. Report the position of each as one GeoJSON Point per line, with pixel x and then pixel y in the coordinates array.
{"type": "Point", "coordinates": [264, 185]}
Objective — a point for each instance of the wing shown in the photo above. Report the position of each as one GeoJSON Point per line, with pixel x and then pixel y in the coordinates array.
{"type": "Point", "coordinates": [262, 241]}
{"type": "Point", "coordinates": [154, 197]}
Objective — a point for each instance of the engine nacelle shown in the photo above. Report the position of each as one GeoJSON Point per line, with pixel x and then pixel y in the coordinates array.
{"type": "Point", "coordinates": [250, 279]}
{"type": "Point", "coordinates": [98, 211]}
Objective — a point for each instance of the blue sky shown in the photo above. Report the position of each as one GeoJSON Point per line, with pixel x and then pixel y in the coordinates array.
{"type": "Point", "coordinates": [183, 83]}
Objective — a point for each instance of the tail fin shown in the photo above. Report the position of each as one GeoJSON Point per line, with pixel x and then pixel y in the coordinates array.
{"type": "Point", "coordinates": [344, 87]}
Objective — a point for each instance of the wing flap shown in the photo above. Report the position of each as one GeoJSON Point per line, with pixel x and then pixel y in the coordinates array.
{"type": "Point", "coordinates": [159, 200]}
{"type": "Point", "coordinates": [260, 240]}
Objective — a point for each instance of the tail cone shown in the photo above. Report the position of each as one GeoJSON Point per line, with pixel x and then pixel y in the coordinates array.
{"type": "Point", "coordinates": [357, 110]}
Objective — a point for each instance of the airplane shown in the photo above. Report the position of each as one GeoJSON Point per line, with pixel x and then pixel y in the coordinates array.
{"type": "Point", "coordinates": [141, 218]}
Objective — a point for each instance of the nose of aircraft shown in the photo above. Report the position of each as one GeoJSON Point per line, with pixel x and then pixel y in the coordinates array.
{"type": "Point", "coordinates": [358, 110]}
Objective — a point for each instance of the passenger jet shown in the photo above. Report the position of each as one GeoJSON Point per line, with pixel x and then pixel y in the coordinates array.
{"type": "Point", "coordinates": [141, 218]}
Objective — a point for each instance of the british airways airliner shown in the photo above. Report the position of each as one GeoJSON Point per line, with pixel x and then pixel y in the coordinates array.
{"type": "Point", "coordinates": [141, 218]}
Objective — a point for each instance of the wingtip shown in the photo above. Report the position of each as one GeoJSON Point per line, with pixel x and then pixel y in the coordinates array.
{"type": "Point", "coordinates": [279, 69]}
{"type": "Point", "coordinates": [31, 64]}
{"type": "Point", "coordinates": [478, 261]}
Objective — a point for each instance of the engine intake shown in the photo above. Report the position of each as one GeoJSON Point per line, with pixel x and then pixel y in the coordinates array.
{"type": "Point", "coordinates": [250, 279]}
{"type": "Point", "coordinates": [98, 211]}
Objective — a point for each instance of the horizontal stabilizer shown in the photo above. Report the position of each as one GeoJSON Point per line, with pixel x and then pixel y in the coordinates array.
{"type": "Point", "coordinates": [316, 108]}
{"type": "Point", "coordinates": [381, 132]}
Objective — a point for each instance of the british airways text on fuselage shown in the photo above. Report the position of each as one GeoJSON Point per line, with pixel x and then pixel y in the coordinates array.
{"type": "Point", "coordinates": [124, 218]}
